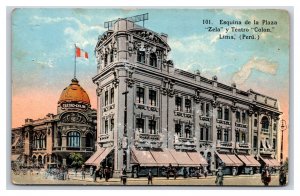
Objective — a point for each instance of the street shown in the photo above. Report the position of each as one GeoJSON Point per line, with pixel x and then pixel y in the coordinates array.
{"type": "Point", "coordinates": [242, 180]}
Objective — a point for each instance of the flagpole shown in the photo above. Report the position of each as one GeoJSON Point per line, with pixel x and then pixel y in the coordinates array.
{"type": "Point", "coordinates": [75, 62]}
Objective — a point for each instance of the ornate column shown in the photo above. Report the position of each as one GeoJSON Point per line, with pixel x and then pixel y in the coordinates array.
{"type": "Point", "coordinates": [233, 121]}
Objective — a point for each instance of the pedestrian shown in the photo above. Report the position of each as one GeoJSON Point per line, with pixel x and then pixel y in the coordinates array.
{"type": "Point", "coordinates": [175, 173]}
{"type": "Point", "coordinates": [124, 176]}
{"type": "Point", "coordinates": [220, 177]}
{"type": "Point", "coordinates": [266, 176]}
{"type": "Point", "coordinates": [185, 172]}
{"type": "Point", "coordinates": [282, 176]}
{"type": "Point", "coordinates": [94, 175]}
{"type": "Point", "coordinates": [106, 173]}
{"type": "Point", "coordinates": [234, 171]}
{"type": "Point", "coordinates": [100, 172]}
{"type": "Point", "coordinates": [205, 172]}
{"type": "Point", "coordinates": [169, 168]}
{"type": "Point", "coordinates": [150, 177]}
{"type": "Point", "coordinates": [82, 172]}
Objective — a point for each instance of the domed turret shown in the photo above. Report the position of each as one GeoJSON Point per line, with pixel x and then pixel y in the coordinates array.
{"type": "Point", "coordinates": [74, 93]}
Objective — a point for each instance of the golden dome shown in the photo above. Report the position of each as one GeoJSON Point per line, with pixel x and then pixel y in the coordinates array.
{"type": "Point", "coordinates": [74, 93]}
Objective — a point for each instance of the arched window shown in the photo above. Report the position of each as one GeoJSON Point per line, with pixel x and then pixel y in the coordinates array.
{"type": "Point", "coordinates": [73, 139]}
{"type": "Point", "coordinates": [226, 114]}
{"type": "Point", "coordinates": [153, 60]}
{"type": "Point", "coordinates": [178, 129]}
{"type": "Point", "coordinates": [141, 56]}
{"type": "Point", "coordinates": [58, 138]}
{"type": "Point", "coordinates": [105, 59]}
{"type": "Point", "coordinates": [111, 56]}
{"type": "Point", "coordinates": [265, 124]}
{"type": "Point", "coordinates": [220, 113]}
{"type": "Point", "coordinates": [35, 140]}
{"type": "Point", "coordinates": [89, 140]}
{"type": "Point", "coordinates": [42, 141]}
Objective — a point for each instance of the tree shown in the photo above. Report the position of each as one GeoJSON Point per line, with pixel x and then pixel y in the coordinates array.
{"type": "Point", "coordinates": [77, 159]}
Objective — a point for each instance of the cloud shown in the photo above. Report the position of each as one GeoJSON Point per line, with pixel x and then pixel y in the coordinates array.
{"type": "Point", "coordinates": [80, 35]}
{"type": "Point", "coordinates": [191, 44]}
{"type": "Point", "coordinates": [254, 63]}
{"type": "Point", "coordinates": [42, 64]}
{"type": "Point", "coordinates": [215, 38]}
{"type": "Point", "coordinates": [239, 14]}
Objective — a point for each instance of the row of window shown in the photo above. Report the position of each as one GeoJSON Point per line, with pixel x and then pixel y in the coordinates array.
{"type": "Point", "coordinates": [112, 125]}
{"type": "Point", "coordinates": [187, 130]}
{"type": "Point", "coordinates": [39, 142]}
{"type": "Point", "coordinates": [109, 57]}
{"type": "Point", "coordinates": [239, 137]}
{"type": "Point", "coordinates": [73, 139]}
{"type": "Point", "coordinates": [141, 58]}
{"type": "Point", "coordinates": [261, 145]}
{"type": "Point", "coordinates": [112, 95]}
{"type": "Point", "coordinates": [140, 126]}
{"type": "Point", "coordinates": [179, 104]}
{"type": "Point", "coordinates": [140, 96]}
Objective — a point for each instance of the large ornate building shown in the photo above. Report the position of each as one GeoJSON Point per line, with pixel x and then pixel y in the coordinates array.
{"type": "Point", "coordinates": [50, 140]}
{"type": "Point", "coordinates": [150, 114]}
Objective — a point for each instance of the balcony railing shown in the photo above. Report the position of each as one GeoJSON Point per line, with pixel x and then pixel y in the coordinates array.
{"type": "Point", "coordinates": [182, 143]}
{"type": "Point", "coordinates": [239, 145]}
{"type": "Point", "coordinates": [147, 140]}
{"type": "Point", "coordinates": [225, 122]}
{"type": "Point", "coordinates": [183, 114]}
{"type": "Point", "coordinates": [204, 118]}
{"type": "Point", "coordinates": [242, 125]}
{"type": "Point", "coordinates": [224, 144]}
{"type": "Point", "coordinates": [66, 148]}
{"type": "Point", "coordinates": [265, 130]}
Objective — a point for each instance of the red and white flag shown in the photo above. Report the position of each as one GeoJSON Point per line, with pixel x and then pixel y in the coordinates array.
{"type": "Point", "coordinates": [81, 53]}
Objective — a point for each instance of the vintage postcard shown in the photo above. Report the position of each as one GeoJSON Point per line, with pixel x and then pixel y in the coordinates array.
{"type": "Point", "coordinates": [150, 97]}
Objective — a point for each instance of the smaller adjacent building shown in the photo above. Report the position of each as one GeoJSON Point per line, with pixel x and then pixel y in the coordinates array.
{"type": "Point", "coordinates": [50, 140]}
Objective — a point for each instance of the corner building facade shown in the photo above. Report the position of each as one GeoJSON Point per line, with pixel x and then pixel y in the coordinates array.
{"type": "Point", "coordinates": [150, 114]}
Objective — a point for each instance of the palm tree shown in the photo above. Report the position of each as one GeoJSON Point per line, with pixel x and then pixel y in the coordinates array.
{"type": "Point", "coordinates": [77, 159]}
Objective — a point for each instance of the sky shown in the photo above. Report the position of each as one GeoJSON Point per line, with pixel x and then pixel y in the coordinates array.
{"type": "Point", "coordinates": [43, 52]}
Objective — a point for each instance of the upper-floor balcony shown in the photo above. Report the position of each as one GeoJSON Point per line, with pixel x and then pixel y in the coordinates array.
{"type": "Point", "coordinates": [142, 106]}
{"type": "Point", "coordinates": [108, 107]}
{"type": "Point", "coordinates": [205, 118]}
{"type": "Point", "coordinates": [239, 145]}
{"type": "Point", "coordinates": [183, 143]}
{"type": "Point", "coordinates": [147, 140]}
{"type": "Point", "coordinates": [241, 125]}
{"type": "Point", "coordinates": [225, 122]}
{"type": "Point", "coordinates": [183, 114]}
{"type": "Point", "coordinates": [105, 138]}
{"type": "Point", "coordinates": [224, 144]}
{"type": "Point", "coordinates": [72, 148]}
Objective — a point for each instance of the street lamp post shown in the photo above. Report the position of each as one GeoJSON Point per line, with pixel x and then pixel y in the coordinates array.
{"type": "Point", "coordinates": [283, 128]}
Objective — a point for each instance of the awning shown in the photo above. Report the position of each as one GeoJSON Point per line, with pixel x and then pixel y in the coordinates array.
{"type": "Point", "coordinates": [270, 162]}
{"type": "Point", "coordinates": [15, 157]}
{"type": "Point", "coordinates": [225, 159]}
{"type": "Point", "coordinates": [142, 157]}
{"type": "Point", "coordinates": [99, 156]}
{"type": "Point", "coordinates": [91, 160]}
{"type": "Point", "coordinates": [249, 160]}
{"type": "Point", "coordinates": [102, 156]}
{"type": "Point", "coordinates": [183, 159]}
{"type": "Point", "coordinates": [16, 141]}
{"type": "Point", "coordinates": [163, 158]}
{"type": "Point", "coordinates": [245, 160]}
{"type": "Point", "coordinates": [197, 158]}
{"type": "Point", "coordinates": [253, 161]}
{"type": "Point", "coordinates": [234, 159]}
{"type": "Point", "coordinates": [275, 162]}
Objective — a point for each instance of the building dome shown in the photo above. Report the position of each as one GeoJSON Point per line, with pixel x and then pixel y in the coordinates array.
{"type": "Point", "coordinates": [74, 93]}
